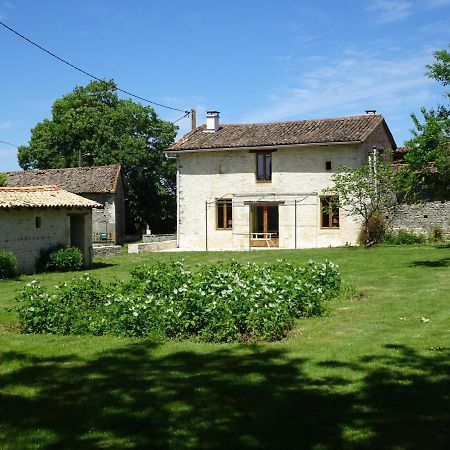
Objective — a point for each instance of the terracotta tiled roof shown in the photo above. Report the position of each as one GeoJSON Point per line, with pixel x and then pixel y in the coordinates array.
{"type": "Point", "coordinates": [79, 180]}
{"type": "Point", "coordinates": [42, 197]}
{"type": "Point", "coordinates": [321, 131]}
{"type": "Point", "coordinates": [399, 154]}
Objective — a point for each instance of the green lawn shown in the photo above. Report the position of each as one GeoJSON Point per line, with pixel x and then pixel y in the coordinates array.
{"type": "Point", "coordinates": [369, 374]}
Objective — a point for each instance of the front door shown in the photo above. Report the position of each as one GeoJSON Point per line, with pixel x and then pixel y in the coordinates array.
{"type": "Point", "coordinates": [264, 226]}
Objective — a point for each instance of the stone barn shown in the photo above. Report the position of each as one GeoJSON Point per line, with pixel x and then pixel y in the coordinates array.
{"type": "Point", "coordinates": [102, 184]}
{"type": "Point", "coordinates": [36, 218]}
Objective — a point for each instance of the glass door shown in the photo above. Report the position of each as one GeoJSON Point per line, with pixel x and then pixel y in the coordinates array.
{"type": "Point", "coordinates": [264, 226]}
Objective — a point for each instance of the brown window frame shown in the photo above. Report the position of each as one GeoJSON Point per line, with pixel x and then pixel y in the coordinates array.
{"type": "Point", "coordinates": [332, 205]}
{"type": "Point", "coordinates": [267, 177]}
{"type": "Point", "coordinates": [227, 205]}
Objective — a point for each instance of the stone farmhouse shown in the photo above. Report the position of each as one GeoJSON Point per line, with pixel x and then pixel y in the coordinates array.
{"type": "Point", "coordinates": [102, 184]}
{"type": "Point", "coordinates": [36, 218]}
{"type": "Point", "coordinates": [241, 186]}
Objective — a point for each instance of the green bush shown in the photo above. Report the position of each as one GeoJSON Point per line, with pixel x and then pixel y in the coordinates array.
{"type": "Point", "coordinates": [60, 259]}
{"type": "Point", "coordinates": [436, 234]}
{"type": "Point", "coordinates": [8, 265]}
{"type": "Point", "coordinates": [374, 231]}
{"type": "Point", "coordinates": [219, 303]}
{"type": "Point", "coordinates": [403, 237]}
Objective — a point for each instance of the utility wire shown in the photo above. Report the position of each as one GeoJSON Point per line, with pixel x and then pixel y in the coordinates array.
{"type": "Point", "coordinates": [90, 74]}
{"type": "Point", "coordinates": [182, 117]}
{"type": "Point", "coordinates": [9, 143]}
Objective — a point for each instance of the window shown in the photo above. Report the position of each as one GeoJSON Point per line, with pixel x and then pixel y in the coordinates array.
{"type": "Point", "coordinates": [224, 214]}
{"type": "Point", "coordinates": [38, 222]}
{"type": "Point", "coordinates": [329, 207]}
{"type": "Point", "coordinates": [264, 166]}
{"type": "Point", "coordinates": [327, 165]}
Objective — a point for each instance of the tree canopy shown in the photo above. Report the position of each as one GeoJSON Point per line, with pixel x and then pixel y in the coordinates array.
{"type": "Point", "coordinates": [427, 173]}
{"type": "Point", "coordinates": [92, 126]}
{"type": "Point", "coordinates": [367, 193]}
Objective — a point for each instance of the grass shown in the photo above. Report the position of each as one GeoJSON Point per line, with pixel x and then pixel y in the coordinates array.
{"type": "Point", "coordinates": [369, 374]}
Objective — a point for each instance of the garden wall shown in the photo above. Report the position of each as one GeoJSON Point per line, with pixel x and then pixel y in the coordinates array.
{"type": "Point", "coordinates": [423, 217]}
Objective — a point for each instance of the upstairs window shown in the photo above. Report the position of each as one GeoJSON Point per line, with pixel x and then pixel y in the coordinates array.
{"type": "Point", "coordinates": [224, 214]}
{"type": "Point", "coordinates": [329, 207]}
{"type": "Point", "coordinates": [263, 166]}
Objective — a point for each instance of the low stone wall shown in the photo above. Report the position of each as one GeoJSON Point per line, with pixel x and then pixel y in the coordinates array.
{"type": "Point", "coordinates": [158, 237]}
{"type": "Point", "coordinates": [424, 217]}
{"type": "Point", "coordinates": [106, 250]}
{"type": "Point", "coordinates": [152, 246]}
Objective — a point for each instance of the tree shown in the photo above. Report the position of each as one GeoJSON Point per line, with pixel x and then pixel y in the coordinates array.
{"type": "Point", "coordinates": [368, 194]}
{"type": "Point", "coordinates": [427, 172]}
{"type": "Point", "coordinates": [3, 179]}
{"type": "Point", "coordinates": [92, 126]}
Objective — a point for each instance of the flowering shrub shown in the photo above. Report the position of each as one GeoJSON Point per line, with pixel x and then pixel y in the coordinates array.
{"type": "Point", "coordinates": [219, 303]}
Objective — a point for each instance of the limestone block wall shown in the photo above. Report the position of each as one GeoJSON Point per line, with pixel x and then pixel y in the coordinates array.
{"type": "Point", "coordinates": [106, 220]}
{"type": "Point", "coordinates": [422, 218]}
{"type": "Point", "coordinates": [20, 233]}
{"type": "Point", "coordinates": [298, 176]}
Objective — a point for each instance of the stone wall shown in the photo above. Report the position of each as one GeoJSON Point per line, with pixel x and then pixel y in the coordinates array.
{"type": "Point", "coordinates": [422, 218]}
{"type": "Point", "coordinates": [152, 246]}
{"type": "Point", "coordinates": [106, 250]}
{"type": "Point", "coordinates": [158, 237]}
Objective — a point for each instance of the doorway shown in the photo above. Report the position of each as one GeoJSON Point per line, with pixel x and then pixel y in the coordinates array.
{"type": "Point", "coordinates": [264, 226]}
{"type": "Point", "coordinates": [77, 235]}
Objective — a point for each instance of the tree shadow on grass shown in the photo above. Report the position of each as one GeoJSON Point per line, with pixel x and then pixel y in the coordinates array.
{"type": "Point", "coordinates": [102, 265]}
{"type": "Point", "coordinates": [443, 262]}
{"type": "Point", "coordinates": [242, 397]}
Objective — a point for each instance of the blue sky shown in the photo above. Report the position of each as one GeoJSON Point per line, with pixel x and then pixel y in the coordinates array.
{"type": "Point", "coordinates": [253, 60]}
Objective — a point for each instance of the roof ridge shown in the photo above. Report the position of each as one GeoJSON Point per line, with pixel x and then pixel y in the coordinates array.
{"type": "Point", "coordinates": [42, 187]}
{"type": "Point", "coordinates": [66, 168]}
{"type": "Point", "coordinates": [287, 122]}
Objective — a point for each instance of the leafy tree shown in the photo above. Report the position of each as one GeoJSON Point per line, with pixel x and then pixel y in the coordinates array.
{"type": "Point", "coordinates": [3, 179]}
{"type": "Point", "coordinates": [368, 194]}
{"type": "Point", "coordinates": [92, 126]}
{"type": "Point", "coordinates": [427, 173]}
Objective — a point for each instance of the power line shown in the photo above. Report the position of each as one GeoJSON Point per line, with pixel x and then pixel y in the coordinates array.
{"type": "Point", "coordinates": [9, 143]}
{"type": "Point", "coordinates": [182, 117]}
{"type": "Point", "coordinates": [90, 74]}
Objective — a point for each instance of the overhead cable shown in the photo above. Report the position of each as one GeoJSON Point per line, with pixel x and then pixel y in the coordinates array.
{"type": "Point", "coordinates": [8, 143]}
{"type": "Point", "coordinates": [90, 74]}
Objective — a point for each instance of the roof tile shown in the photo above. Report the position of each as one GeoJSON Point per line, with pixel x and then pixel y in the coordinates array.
{"type": "Point", "coordinates": [320, 131]}
{"type": "Point", "coordinates": [42, 197]}
{"type": "Point", "coordinates": [79, 180]}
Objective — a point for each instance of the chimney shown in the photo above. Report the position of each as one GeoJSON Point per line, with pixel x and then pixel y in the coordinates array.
{"type": "Point", "coordinates": [371, 111]}
{"type": "Point", "coordinates": [193, 119]}
{"type": "Point", "coordinates": [212, 121]}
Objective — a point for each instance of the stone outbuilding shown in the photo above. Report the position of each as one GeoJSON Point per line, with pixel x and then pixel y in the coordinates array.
{"type": "Point", "coordinates": [36, 218]}
{"type": "Point", "coordinates": [102, 184]}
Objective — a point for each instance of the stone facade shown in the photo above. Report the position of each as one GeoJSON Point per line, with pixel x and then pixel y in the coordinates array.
{"type": "Point", "coordinates": [25, 232]}
{"type": "Point", "coordinates": [299, 178]}
{"type": "Point", "coordinates": [108, 223]}
{"type": "Point", "coordinates": [422, 218]}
